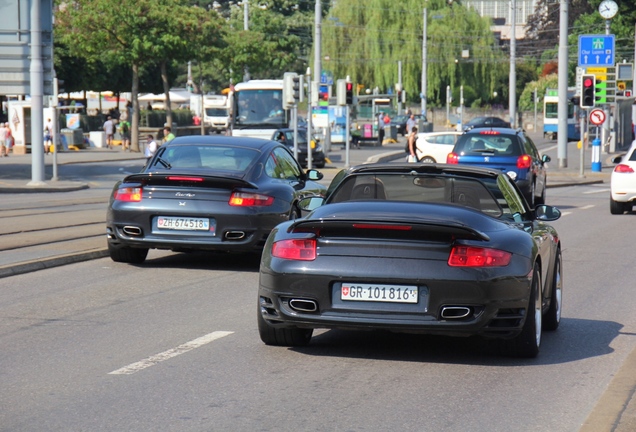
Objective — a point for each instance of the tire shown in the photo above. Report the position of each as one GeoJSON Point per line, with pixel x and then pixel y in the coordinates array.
{"type": "Point", "coordinates": [290, 337]}
{"type": "Point", "coordinates": [427, 159]}
{"type": "Point", "coordinates": [126, 254]}
{"type": "Point", "coordinates": [526, 344]}
{"type": "Point", "coordinates": [552, 317]}
{"type": "Point", "coordinates": [616, 208]}
{"type": "Point", "coordinates": [294, 213]}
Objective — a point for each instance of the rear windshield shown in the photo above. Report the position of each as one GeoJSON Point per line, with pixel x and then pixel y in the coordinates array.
{"type": "Point", "coordinates": [467, 192]}
{"type": "Point", "coordinates": [489, 143]}
{"type": "Point", "coordinates": [206, 157]}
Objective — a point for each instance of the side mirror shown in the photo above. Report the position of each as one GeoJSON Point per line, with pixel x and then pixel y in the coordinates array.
{"type": "Point", "coordinates": [547, 213]}
{"type": "Point", "coordinates": [315, 175]}
{"type": "Point", "coordinates": [546, 158]}
{"type": "Point", "coordinates": [310, 203]}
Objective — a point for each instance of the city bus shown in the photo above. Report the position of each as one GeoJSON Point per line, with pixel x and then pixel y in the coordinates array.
{"type": "Point", "coordinates": [551, 116]}
{"type": "Point", "coordinates": [257, 109]}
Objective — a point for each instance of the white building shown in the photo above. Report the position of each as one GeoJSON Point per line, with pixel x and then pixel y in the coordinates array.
{"type": "Point", "coordinates": [501, 13]}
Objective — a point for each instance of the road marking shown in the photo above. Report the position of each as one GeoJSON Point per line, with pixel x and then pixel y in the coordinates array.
{"type": "Point", "coordinates": [565, 213]}
{"type": "Point", "coordinates": [587, 207]}
{"type": "Point", "coordinates": [181, 349]}
{"type": "Point", "coordinates": [597, 191]}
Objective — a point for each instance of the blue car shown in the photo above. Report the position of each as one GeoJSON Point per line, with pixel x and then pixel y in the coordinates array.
{"type": "Point", "coordinates": [508, 150]}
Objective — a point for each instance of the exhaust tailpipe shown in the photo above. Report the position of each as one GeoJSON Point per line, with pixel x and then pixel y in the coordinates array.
{"type": "Point", "coordinates": [303, 305]}
{"type": "Point", "coordinates": [235, 235]}
{"type": "Point", "coordinates": [456, 312]}
{"type": "Point", "coordinates": [132, 231]}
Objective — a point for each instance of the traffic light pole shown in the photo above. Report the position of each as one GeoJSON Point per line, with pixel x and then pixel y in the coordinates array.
{"type": "Point", "coordinates": [347, 136]}
{"type": "Point", "coordinates": [584, 138]}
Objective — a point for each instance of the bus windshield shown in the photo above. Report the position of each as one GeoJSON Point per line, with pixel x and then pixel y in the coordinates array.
{"type": "Point", "coordinates": [552, 110]}
{"type": "Point", "coordinates": [258, 108]}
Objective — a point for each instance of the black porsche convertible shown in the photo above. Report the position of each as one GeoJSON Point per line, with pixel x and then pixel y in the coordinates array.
{"type": "Point", "coordinates": [432, 248]}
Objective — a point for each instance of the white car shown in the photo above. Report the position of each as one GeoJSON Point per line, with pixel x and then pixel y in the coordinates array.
{"type": "Point", "coordinates": [623, 182]}
{"type": "Point", "coordinates": [433, 147]}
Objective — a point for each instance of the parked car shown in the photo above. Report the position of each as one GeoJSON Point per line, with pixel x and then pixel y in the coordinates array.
{"type": "Point", "coordinates": [486, 122]}
{"type": "Point", "coordinates": [426, 248]}
{"type": "Point", "coordinates": [286, 137]}
{"type": "Point", "coordinates": [507, 150]}
{"type": "Point", "coordinates": [206, 193]}
{"type": "Point", "coordinates": [432, 147]}
{"type": "Point", "coordinates": [399, 122]}
{"type": "Point", "coordinates": [623, 182]}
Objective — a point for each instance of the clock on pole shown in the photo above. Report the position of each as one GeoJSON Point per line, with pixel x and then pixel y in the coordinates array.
{"type": "Point", "coordinates": [608, 9]}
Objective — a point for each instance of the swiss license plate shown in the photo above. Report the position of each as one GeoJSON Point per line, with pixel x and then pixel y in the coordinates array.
{"type": "Point", "coordinates": [379, 293]}
{"type": "Point", "coordinates": [183, 223]}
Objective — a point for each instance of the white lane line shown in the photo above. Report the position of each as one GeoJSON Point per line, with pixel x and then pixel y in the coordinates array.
{"type": "Point", "coordinates": [181, 349]}
{"type": "Point", "coordinates": [596, 191]}
{"type": "Point", "coordinates": [565, 213]}
{"type": "Point", "coordinates": [587, 207]}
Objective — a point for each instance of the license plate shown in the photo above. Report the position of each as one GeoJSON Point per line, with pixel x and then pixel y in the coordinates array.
{"type": "Point", "coordinates": [183, 224]}
{"type": "Point", "coordinates": [379, 293]}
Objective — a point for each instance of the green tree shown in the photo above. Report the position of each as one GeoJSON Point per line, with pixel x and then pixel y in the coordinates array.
{"type": "Point", "coordinates": [365, 39]}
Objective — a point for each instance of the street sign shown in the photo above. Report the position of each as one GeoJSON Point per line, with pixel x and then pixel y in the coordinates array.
{"type": "Point", "coordinates": [605, 84]}
{"type": "Point", "coordinates": [596, 50]}
{"type": "Point", "coordinates": [597, 117]}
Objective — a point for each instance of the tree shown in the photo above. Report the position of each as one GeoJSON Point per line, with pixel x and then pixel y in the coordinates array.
{"type": "Point", "coordinates": [365, 39]}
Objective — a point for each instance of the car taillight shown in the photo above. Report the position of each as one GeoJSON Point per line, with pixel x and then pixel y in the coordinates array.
{"type": "Point", "coordinates": [452, 158]}
{"type": "Point", "coordinates": [622, 168]}
{"type": "Point", "coordinates": [295, 249]}
{"type": "Point", "coordinates": [246, 199]}
{"type": "Point", "coordinates": [128, 194]}
{"type": "Point", "coordinates": [182, 178]}
{"type": "Point", "coordinates": [524, 162]}
{"type": "Point", "coordinates": [468, 256]}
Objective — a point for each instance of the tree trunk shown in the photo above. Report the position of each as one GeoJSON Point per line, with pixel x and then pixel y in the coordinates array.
{"type": "Point", "coordinates": [166, 90]}
{"type": "Point", "coordinates": [134, 120]}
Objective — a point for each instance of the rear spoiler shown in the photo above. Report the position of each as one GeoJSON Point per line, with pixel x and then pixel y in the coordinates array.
{"type": "Point", "coordinates": [163, 179]}
{"type": "Point", "coordinates": [454, 229]}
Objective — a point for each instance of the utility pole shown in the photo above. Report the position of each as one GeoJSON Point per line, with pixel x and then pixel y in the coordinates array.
{"type": "Point", "coordinates": [317, 42]}
{"type": "Point", "coordinates": [562, 110]}
{"type": "Point", "coordinates": [424, 63]}
{"type": "Point", "coordinates": [399, 88]}
{"type": "Point", "coordinates": [246, 72]}
{"type": "Point", "coordinates": [512, 100]}
{"type": "Point", "coordinates": [36, 77]}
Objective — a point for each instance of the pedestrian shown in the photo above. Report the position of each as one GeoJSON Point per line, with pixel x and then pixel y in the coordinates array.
{"type": "Point", "coordinates": [109, 129]}
{"type": "Point", "coordinates": [3, 140]}
{"type": "Point", "coordinates": [151, 147]}
{"type": "Point", "coordinates": [412, 144]}
{"type": "Point", "coordinates": [167, 134]}
{"type": "Point", "coordinates": [48, 136]}
{"type": "Point", "coordinates": [380, 128]}
{"type": "Point", "coordinates": [9, 139]}
{"type": "Point", "coordinates": [124, 131]}
{"type": "Point", "coordinates": [410, 123]}
{"type": "Point", "coordinates": [149, 106]}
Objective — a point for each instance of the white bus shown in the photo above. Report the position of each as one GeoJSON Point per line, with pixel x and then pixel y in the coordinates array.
{"type": "Point", "coordinates": [257, 109]}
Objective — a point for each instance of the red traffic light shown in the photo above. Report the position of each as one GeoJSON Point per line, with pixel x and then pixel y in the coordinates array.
{"type": "Point", "coordinates": [349, 86]}
{"type": "Point", "coordinates": [588, 82]}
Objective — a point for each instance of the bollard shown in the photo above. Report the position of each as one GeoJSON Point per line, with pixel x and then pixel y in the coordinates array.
{"type": "Point", "coordinates": [596, 155]}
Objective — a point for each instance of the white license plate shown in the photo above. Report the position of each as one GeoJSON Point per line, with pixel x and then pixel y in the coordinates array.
{"type": "Point", "coordinates": [379, 293]}
{"type": "Point", "coordinates": [183, 224]}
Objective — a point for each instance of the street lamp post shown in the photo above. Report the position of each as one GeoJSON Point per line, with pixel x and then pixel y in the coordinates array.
{"type": "Point", "coordinates": [246, 73]}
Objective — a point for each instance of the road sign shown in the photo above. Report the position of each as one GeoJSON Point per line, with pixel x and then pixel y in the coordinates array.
{"type": "Point", "coordinates": [605, 84]}
{"type": "Point", "coordinates": [597, 117]}
{"type": "Point", "coordinates": [596, 50]}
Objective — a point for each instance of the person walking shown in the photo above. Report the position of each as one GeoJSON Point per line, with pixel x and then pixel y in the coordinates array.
{"type": "Point", "coordinates": [124, 131]}
{"type": "Point", "coordinates": [151, 147]}
{"type": "Point", "coordinates": [410, 123]}
{"type": "Point", "coordinates": [48, 136]}
{"type": "Point", "coordinates": [8, 142]}
{"type": "Point", "coordinates": [3, 140]}
{"type": "Point", "coordinates": [412, 143]}
{"type": "Point", "coordinates": [109, 129]}
{"type": "Point", "coordinates": [380, 128]}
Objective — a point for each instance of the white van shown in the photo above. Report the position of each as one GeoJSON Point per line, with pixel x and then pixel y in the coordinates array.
{"type": "Point", "coordinates": [216, 112]}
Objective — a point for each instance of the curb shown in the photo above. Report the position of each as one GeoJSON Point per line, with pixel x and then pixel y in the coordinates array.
{"type": "Point", "coordinates": [45, 263]}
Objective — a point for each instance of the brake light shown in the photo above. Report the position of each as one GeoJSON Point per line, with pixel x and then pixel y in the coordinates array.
{"type": "Point", "coordinates": [452, 158]}
{"type": "Point", "coordinates": [524, 162]}
{"type": "Point", "coordinates": [182, 178]}
{"type": "Point", "coordinates": [245, 199]}
{"type": "Point", "coordinates": [383, 227]}
{"type": "Point", "coordinates": [295, 249]}
{"type": "Point", "coordinates": [489, 132]}
{"type": "Point", "coordinates": [622, 168]}
{"type": "Point", "coordinates": [468, 256]}
{"type": "Point", "coordinates": [128, 194]}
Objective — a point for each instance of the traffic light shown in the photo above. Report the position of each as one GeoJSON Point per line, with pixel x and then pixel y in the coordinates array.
{"type": "Point", "coordinates": [296, 88]}
{"type": "Point", "coordinates": [349, 93]}
{"type": "Point", "coordinates": [588, 91]}
{"type": "Point", "coordinates": [288, 89]}
{"type": "Point", "coordinates": [600, 90]}
{"type": "Point", "coordinates": [341, 92]}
